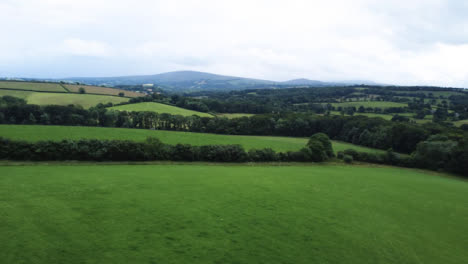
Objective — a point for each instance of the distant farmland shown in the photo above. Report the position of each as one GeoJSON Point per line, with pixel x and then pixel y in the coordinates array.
{"type": "Point", "coordinates": [101, 90]}
{"type": "Point", "coordinates": [39, 132]}
{"type": "Point", "coordinates": [33, 86]}
{"type": "Point", "coordinates": [379, 104]}
{"type": "Point", "coordinates": [159, 108]}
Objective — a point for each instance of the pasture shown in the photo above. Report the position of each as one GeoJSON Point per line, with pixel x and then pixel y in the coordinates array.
{"type": "Point", "coordinates": [32, 86]}
{"type": "Point", "coordinates": [85, 100]}
{"type": "Point", "coordinates": [234, 115]}
{"type": "Point", "coordinates": [101, 90]}
{"type": "Point", "coordinates": [158, 108]}
{"type": "Point", "coordinates": [231, 214]}
{"type": "Point", "coordinates": [39, 132]}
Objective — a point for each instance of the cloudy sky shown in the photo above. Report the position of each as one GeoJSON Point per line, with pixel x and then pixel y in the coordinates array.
{"type": "Point", "coordinates": [388, 41]}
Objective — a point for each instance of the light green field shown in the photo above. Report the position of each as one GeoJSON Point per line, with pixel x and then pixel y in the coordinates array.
{"type": "Point", "coordinates": [230, 214]}
{"type": "Point", "coordinates": [38, 132]}
{"type": "Point", "coordinates": [460, 122]}
{"type": "Point", "coordinates": [85, 100]}
{"type": "Point", "coordinates": [46, 87]}
{"type": "Point", "coordinates": [234, 115]}
{"type": "Point", "coordinates": [374, 104]}
{"type": "Point", "coordinates": [101, 90]}
{"type": "Point", "coordinates": [158, 108]}
{"type": "Point", "coordinates": [19, 94]}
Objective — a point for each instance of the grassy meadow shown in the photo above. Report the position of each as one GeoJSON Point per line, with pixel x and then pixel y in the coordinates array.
{"type": "Point", "coordinates": [39, 132]}
{"type": "Point", "coordinates": [159, 108]}
{"type": "Point", "coordinates": [231, 214]}
{"type": "Point", "coordinates": [234, 115]}
{"type": "Point", "coordinates": [100, 90]}
{"type": "Point", "coordinates": [45, 87]}
{"type": "Point", "coordinates": [85, 100]}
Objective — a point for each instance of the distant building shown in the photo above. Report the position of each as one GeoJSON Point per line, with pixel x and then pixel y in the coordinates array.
{"type": "Point", "coordinates": [148, 85]}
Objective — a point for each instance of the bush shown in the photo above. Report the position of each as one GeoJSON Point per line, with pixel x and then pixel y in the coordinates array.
{"type": "Point", "coordinates": [348, 158]}
{"type": "Point", "coordinates": [340, 155]}
{"type": "Point", "coordinates": [325, 141]}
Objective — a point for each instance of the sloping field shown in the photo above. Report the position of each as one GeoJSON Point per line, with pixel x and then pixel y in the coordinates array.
{"type": "Point", "coordinates": [101, 90]}
{"type": "Point", "coordinates": [85, 100]}
{"type": "Point", "coordinates": [231, 214]}
{"type": "Point", "coordinates": [45, 87]}
{"type": "Point", "coordinates": [38, 132]}
{"type": "Point", "coordinates": [382, 105]}
{"type": "Point", "coordinates": [159, 108]}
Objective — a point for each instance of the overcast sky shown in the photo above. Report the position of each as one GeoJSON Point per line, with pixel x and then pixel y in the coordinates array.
{"type": "Point", "coordinates": [388, 41]}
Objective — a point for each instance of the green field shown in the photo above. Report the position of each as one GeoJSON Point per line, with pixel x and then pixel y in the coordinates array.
{"type": "Point", "coordinates": [234, 115]}
{"type": "Point", "coordinates": [38, 132]}
{"type": "Point", "coordinates": [101, 90]}
{"type": "Point", "coordinates": [159, 108]}
{"type": "Point", "coordinates": [230, 214]}
{"type": "Point", "coordinates": [460, 122]}
{"type": "Point", "coordinates": [85, 100]}
{"type": "Point", "coordinates": [380, 104]}
{"type": "Point", "coordinates": [45, 87]}
{"type": "Point", "coordinates": [18, 93]}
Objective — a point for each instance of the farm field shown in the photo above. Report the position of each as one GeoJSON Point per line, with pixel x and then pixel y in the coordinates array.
{"type": "Point", "coordinates": [85, 100]}
{"type": "Point", "coordinates": [230, 214]}
{"type": "Point", "coordinates": [39, 132]}
{"type": "Point", "coordinates": [45, 87]}
{"type": "Point", "coordinates": [234, 115]}
{"type": "Point", "coordinates": [427, 118]}
{"type": "Point", "coordinates": [380, 104]}
{"type": "Point", "coordinates": [15, 93]}
{"type": "Point", "coordinates": [101, 90]}
{"type": "Point", "coordinates": [159, 108]}
{"type": "Point", "coordinates": [460, 122]}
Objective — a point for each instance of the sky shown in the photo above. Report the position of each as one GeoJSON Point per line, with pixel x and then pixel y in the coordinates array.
{"type": "Point", "coordinates": [403, 42]}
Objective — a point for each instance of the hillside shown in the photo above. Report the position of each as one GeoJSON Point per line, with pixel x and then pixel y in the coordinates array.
{"type": "Point", "coordinates": [196, 81]}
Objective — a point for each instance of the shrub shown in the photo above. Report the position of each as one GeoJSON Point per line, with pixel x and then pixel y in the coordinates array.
{"type": "Point", "coordinates": [348, 158]}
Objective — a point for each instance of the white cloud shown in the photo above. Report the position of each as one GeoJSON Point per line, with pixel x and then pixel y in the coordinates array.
{"type": "Point", "coordinates": [400, 41]}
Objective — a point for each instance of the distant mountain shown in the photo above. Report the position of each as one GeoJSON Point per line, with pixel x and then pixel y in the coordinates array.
{"type": "Point", "coordinates": [197, 81]}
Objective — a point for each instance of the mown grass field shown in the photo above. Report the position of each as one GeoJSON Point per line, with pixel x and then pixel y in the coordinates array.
{"type": "Point", "coordinates": [17, 93]}
{"type": "Point", "coordinates": [380, 104]}
{"type": "Point", "coordinates": [101, 90]}
{"type": "Point", "coordinates": [46, 87]}
{"type": "Point", "coordinates": [230, 214]}
{"type": "Point", "coordinates": [85, 100]}
{"type": "Point", "coordinates": [159, 108]}
{"type": "Point", "coordinates": [39, 132]}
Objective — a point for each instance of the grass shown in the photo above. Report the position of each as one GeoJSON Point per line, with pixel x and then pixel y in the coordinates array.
{"type": "Point", "coordinates": [85, 100]}
{"type": "Point", "coordinates": [234, 115]}
{"type": "Point", "coordinates": [159, 108]}
{"type": "Point", "coordinates": [38, 132]}
{"type": "Point", "coordinates": [230, 214]}
{"type": "Point", "coordinates": [460, 122]}
{"type": "Point", "coordinates": [18, 93]}
{"type": "Point", "coordinates": [45, 87]}
{"type": "Point", "coordinates": [101, 90]}
{"type": "Point", "coordinates": [380, 104]}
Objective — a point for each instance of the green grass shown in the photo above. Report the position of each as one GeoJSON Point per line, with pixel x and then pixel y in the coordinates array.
{"type": "Point", "coordinates": [85, 100]}
{"type": "Point", "coordinates": [101, 90]}
{"type": "Point", "coordinates": [380, 104]}
{"type": "Point", "coordinates": [45, 87]}
{"type": "Point", "coordinates": [460, 122]}
{"type": "Point", "coordinates": [36, 133]}
{"type": "Point", "coordinates": [19, 94]}
{"type": "Point", "coordinates": [234, 115]}
{"type": "Point", "coordinates": [159, 108]}
{"type": "Point", "coordinates": [230, 214]}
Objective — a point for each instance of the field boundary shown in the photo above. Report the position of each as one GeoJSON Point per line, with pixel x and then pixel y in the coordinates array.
{"type": "Point", "coordinates": [65, 92]}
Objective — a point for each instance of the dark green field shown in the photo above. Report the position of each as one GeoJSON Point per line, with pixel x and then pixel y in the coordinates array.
{"type": "Point", "coordinates": [230, 214]}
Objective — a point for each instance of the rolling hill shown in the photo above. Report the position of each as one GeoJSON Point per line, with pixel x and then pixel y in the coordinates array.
{"type": "Point", "coordinates": [196, 81]}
